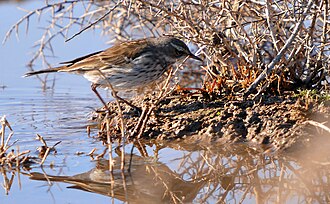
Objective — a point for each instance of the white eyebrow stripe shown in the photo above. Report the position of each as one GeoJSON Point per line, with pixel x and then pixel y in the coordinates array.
{"type": "Point", "coordinates": [178, 47]}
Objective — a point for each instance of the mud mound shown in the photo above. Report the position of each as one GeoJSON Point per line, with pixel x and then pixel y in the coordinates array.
{"type": "Point", "coordinates": [278, 121]}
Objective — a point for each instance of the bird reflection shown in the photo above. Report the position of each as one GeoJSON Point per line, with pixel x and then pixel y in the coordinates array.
{"type": "Point", "coordinates": [146, 182]}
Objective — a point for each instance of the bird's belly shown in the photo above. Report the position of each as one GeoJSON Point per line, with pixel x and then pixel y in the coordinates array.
{"type": "Point", "coordinates": [126, 79]}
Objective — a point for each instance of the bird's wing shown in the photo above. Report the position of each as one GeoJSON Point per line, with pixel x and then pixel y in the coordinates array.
{"type": "Point", "coordinates": [68, 63]}
{"type": "Point", "coordinates": [117, 56]}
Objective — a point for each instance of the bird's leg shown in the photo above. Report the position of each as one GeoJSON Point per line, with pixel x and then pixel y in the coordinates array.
{"type": "Point", "coordinates": [94, 86]}
{"type": "Point", "coordinates": [115, 95]}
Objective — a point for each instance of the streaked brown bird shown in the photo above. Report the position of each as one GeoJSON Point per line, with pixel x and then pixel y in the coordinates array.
{"type": "Point", "coordinates": [127, 66]}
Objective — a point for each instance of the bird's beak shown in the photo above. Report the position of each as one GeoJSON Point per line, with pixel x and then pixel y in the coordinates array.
{"type": "Point", "coordinates": [195, 57]}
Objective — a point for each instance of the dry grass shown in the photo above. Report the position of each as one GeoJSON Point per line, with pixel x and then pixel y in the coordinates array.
{"type": "Point", "coordinates": [8, 157]}
{"type": "Point", "coordinates": [10, 161]}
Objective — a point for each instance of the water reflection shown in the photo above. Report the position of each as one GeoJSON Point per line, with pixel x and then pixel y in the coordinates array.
{"type": "Point", "coordinates": [235, 174]}
{"type": "Point", "coordinates": [146, 182]}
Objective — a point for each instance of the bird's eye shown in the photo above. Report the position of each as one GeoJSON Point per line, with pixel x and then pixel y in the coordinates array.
{"type": "Point", "coordinates": [179, 53]}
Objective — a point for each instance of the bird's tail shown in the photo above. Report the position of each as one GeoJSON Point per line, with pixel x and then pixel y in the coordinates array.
{"type": "Point", "coordinates": [55, 69]}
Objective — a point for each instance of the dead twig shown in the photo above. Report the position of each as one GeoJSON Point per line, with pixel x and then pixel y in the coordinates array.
{"type": "Point", "coordinates": [94, 23]}
{"type": "Point", "coordinates": [45, 149]}
{"type": "Point", "coordinates": [317, 124]}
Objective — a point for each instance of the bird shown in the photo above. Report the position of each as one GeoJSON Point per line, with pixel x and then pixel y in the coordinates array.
{"type": "Point", "coordinates": [128, 65]}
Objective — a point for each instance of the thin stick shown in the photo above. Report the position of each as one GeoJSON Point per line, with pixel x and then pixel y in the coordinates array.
{"type": "Point", "coordinates": [46, 176]}
{"type": "Point", "coordinates": [18, 169]}
{"type": "Point", "coordinates": [17, 157]}
{"type": "Point", "coordinates": [111, 161]}
{"type": "Point", "coordinates": [3, 129]}
{"type": "Point", "coordinates": [95, 22]}
{"type": "Point", "coordinates": [88, 129]}
{"type": "Point", "coordinates": [109, 146]}
{"type": "Point", "coordinates": [7, 147]}
{"type": "Point", "coordinates": [5, 180]}
{"type": "Point", "coordinates": [41, 139]}
{"type": "Point", "coordinates": [123, 176]}
{"type": "Point", "coordinates": [91, 153]}
{"type": "Point", "coordinates": [45, 156]}
{"type": "Point", "coordinates": [130, 160]}
{"type": "Point", "coordinates": [115, 95]}
{"type": "Point", "coordinates": [317, 124]}
{"type": "Point", "coordinates": [8, 139]}
{"type": "Point", "coordinates": [270, 26]}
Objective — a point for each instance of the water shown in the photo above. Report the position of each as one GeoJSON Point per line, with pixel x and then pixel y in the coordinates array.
{"type": "Point", "coordinates": [173, 172]}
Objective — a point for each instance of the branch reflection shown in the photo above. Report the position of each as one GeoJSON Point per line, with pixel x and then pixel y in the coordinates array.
{"type": "Point", "coordinates": [227, 173]}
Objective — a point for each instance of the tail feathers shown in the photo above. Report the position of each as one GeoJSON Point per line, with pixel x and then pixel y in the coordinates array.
{"type": "Point", "coordinates": [56, 69]}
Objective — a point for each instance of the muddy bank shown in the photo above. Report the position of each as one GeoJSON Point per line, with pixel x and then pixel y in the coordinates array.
{"type": "Point", "coordinates": [275, 121]}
